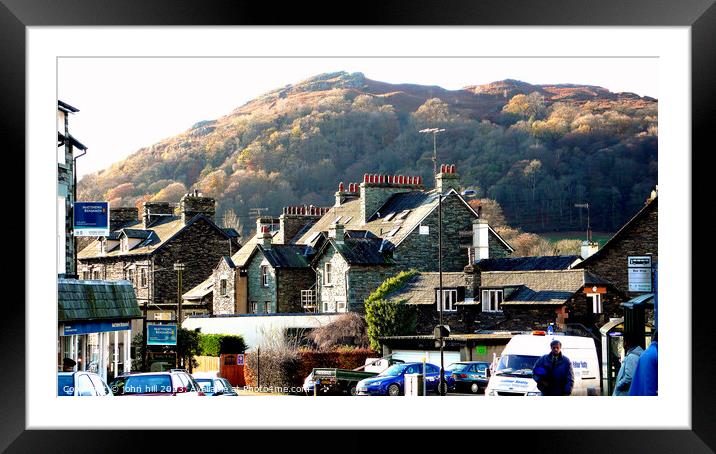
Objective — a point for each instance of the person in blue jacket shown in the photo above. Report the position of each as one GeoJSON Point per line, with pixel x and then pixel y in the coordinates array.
{"type": "Point", "coordinates": [646, 374]}
{"type": "Point", "coordinates": [553, 372]}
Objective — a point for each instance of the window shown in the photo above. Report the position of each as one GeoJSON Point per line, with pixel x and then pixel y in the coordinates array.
{"type": "Point", "coordinates": [143, 277]}
{"type": "Point", "coordinates": [347, 220]}
{"type": "Point", "coordinates": [328, 274]}
{"type": "Point", "coordinates": [449, 299]}
{"type": "Point", "coordinates": [264, 276]}
{"type": "Point", "coordinates": [130, 275]}
{"type": "Point", "coordinates": [491, 300]}
{"type": "Point", "coordinates": [596, 303]}
{"type": "Point", "coordinates": [267, 306]}
{"type": "Point", "coordinates": [328, 306]}
{"type": "Point", "coordinates": [96, 274]}
{"type": "Point", "coordinates": [340, 306]}
{"type": "Point", "coordinates": [86, 274]}
{"type": "Point", "coordinates": [222, 286]}
{"type": "Point", "coordinates": [254, 307]}
{"type": "Point", "coordinates": [393, 231]}
{"type": "Point", "coordinates": [402, 215]}
{"type": "Point", "coordinates": [337, 220]}
{"type": "Point", "coordinates": [388, 217]}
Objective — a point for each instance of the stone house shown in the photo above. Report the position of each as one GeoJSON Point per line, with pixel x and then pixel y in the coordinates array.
{"type": "Point", "coordinates": [144, 251]}
{"type": "Point", "coordinates": [399, 220]}
{"type": "Point", "coordinates": [287, 270]}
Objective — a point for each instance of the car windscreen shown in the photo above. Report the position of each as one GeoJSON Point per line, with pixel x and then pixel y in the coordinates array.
{"type": "Point", "coordinates": [206, 384]}
{"type": "Point", "coordinates": [520, 365]}
{"type": "Point", "coordinates": [393, 371]}
{"type": "Point", "coordinates": [457, 367]}
{"type": "Point", "coordinates": [65, 385]}
{"type": "Point", "coordinates": [142, 384]}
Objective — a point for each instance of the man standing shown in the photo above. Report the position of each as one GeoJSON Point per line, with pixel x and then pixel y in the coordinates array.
{"type": "Point", "coordinates": [646, 374]}
{"type": "Point", "coordinates": [553, 372]}
{"type": "Point", "coordinates": [626, 371]}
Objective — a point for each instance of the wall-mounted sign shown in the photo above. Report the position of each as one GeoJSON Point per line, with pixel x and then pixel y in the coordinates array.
{"type": "Point", "coordinates": [481, 349]}
{"type": "Point", "coordinates": [70, 329]}
{"type": "Point", "coordinates": [639, 269]}
{"type": "Point", "coordinates": [161, 334]}
{"type": "Point", "coordinates": [91, 219]}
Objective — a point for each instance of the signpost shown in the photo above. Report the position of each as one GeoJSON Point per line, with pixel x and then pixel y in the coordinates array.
{"type": "Point", "coordinates": [639, 269]}
{"type": "Point", "coordinates": [90, 218]}
{"type": "Point", "coordinates": [161, 334]}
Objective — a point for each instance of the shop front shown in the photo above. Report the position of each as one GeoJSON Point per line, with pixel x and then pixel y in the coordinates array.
{"type": "Point", "coordinates": [94, 325]}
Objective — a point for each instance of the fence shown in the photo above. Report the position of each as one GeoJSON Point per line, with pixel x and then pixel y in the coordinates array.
{"type": "Point", "coordinates": [207, 364]}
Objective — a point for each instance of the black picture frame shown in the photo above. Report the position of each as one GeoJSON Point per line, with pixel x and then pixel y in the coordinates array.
{"type": "Point", "coordinates": [700, 15]}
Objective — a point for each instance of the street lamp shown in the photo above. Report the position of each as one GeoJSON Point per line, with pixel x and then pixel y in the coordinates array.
{"type": "Point", "coordinates": [440, 331]}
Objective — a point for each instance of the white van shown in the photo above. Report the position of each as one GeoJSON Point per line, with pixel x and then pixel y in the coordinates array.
{"type": "Point", "coordinates": [512, 374]}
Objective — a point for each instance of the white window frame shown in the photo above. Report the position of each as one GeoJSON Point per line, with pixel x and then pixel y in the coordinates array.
{"type": "Point", "coordinates": [487, 300]}
{"type": "Point", "coordinates": [449, 302]}
{"type": "Point", "coordinates": [223, 285]}
{"type": "Point", "coordinates": [254, 307]}
{"type": "Point", "coordinates": [264, 276]}
{"type": "Point", "coordinates": [143, 277]}
{"type": "Point", "coordinates": [341, 306]}
{"type": "Point", "coordinates": [328, 274]}
{"type": "Point", "coordinates": [597, 306]}
{"type": "Point", "coordinates": [267, 305]}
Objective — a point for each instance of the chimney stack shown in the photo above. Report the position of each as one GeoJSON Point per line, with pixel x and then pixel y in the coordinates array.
{"type": "Point", "coordinates": [480, 240]}
{"type": "Point", "coordinates": [194, 203]}
{"type": "Point", "coordinates": [122, 215]}
{"type": "Point", "coordinates": [152, 211]}
{"type": "Point", "coordinates": [589, 248]}
{"type": "Point", "coordinates": [337, 232]}
{"type": "Point", "coordinates": [264, 237]}
{"type": "Point", "coordinates": [291, 222]}
{"type": "Point", "coordinates": [375, 190]}
{"type": "Point", "coordinates": [345, 194]}
{"type": "Point", "coordinates": [447, 179]}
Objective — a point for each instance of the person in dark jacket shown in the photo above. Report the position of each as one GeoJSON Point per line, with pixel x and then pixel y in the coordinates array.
{"type": "Point", "coordinates": [553, 372]}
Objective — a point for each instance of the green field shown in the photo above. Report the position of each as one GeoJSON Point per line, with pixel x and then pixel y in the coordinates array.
{"type": "Point", "coordinates": [599, 237]}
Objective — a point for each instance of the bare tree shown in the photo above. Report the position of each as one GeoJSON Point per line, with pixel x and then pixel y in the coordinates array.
{"type": "Point", "coordinates": [230, 220]}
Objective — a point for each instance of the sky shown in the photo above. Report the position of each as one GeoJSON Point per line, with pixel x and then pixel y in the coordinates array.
{"type": "Point", "coordinates": [129, 103]}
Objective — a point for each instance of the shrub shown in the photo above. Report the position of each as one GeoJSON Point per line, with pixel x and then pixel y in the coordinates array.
{"type": "Point", "coordinates": [217, 344]}
{"type": "Point", "coordinates": [386, 317]}
{"type": "Point", "coordinates": [347, 329]}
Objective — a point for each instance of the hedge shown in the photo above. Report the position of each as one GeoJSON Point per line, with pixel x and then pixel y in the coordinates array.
{"type": "Point", "coordinates": [216, 344]}
{"type": "Point", "coordinates": [286, 368]}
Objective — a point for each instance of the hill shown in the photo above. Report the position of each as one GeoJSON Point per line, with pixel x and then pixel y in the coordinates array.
{"type": "Point", "coordinates": [536, 149]}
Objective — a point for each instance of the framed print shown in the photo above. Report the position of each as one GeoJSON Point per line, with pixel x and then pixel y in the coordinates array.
{"type": "Point", "coordinates": [185, 115]}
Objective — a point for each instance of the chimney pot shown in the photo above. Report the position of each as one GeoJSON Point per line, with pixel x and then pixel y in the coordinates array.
{"type": "Point", "coordinates": [340, 186]}
{"type": "Point", "coordinates": [453, 169]}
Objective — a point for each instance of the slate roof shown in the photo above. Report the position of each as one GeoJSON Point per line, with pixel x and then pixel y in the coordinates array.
{"type": "Point", "coordinates": [242, 256]}
{"type": "Point", "coordinates": [539, 287]}
{"type": "Point", "coordinates": [231, 232]}
{"type": "Point", "coordinates": [420, 289]}
{"type": "Point", "coordinates": [361, 251]}
{"type": "Point", "coordinates": [85, 300]}
{"type": "Point", "coordinates": [419, 205]}
{"type": "Point", "coordinates": [555, 262]}
{"type": "Point", "coordinates": [158, 233]}
{"type": "Point", "coordinates": [288, 255]}
{"type": "Point", "coordinates": [201, 290]}
{"type": "Point", "coordinates": [75, 143]}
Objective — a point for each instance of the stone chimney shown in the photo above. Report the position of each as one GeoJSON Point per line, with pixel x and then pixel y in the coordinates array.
{"type": "Point", "coordinates": [152, 211]}
{"type": "Point", "coordinates": [375, 190]}
{"type": "Point", "coordinates": [122, 215]}
{"type": "Point", "coordinates": [264, 237]}
{"type": "Point", "coordinates": [447, 179]}
{"type": "Point", "coordinates": [589, 248]}
{"type": "Point", "coordinates": [337, 232]}
{"type": "Point", "coordinates": [480, 240]}
{"type": "Point", "coordinates": [194, 203]}
{"type": "Point", "coordinates": [345, 194]}
{"type": "Point", "coordinates": [294, 218]}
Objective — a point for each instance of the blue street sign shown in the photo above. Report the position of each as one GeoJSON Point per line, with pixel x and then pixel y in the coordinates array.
{"type": "Point", "coordinates": [70, 329]}
{"type": "Point", "coordinates": [161, 334]}
{"type": "Point", "coordinates": [91, 219]}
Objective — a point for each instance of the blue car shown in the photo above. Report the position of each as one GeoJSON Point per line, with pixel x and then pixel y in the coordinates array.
{"type": "Point", "coordinates": [391, 382]}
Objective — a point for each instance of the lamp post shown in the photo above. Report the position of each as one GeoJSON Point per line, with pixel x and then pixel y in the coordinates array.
{"type": "Point", "coordinates": [440, 330]}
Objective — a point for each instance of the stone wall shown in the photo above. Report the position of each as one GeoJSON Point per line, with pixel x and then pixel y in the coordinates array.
{"type": "Point", "coordinates": [116, 269]}
{"type": "Point", "coordinates": [290, 283]}
{"type": "Point", "coordinates": [469, 317]}
{"type": "Point", "coordinates": [257, 292]}
{"type": "Point", "coordinates": [640, 238]}
{"type": "Point", "coordinates": [224, 304]}
{"type": "Point", "coordinates": [200, 247]}
{"type": "Point", "coordinates": [364, 280]}
{"type": "Point", "coordinates": [191, 205]}
{"type": "Point", "coordinates": [421, 251]}
{"type": "Point", "coordinates": [290, 225]}
{"type": "Point", "coordinates": [330, 295]}
{"type": "Point", "coordinates": [122, 215]}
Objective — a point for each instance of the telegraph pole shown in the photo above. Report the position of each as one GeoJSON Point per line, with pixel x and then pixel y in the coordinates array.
{"type": "Point", "coordinates": [440, 331]}
{"type": "Point", "coordinates": [179, 267]}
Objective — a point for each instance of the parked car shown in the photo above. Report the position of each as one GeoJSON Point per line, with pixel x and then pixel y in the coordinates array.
{"type": "Point", "coordinates": [470, 376]}
{"type": "Point", "coordinates": [216, 386]}
{"type": "Point", "coordinates": [170, 383]}
{"type": "Point", "coordinates": [391, 382]}
{"type": "Point", "coordinates": [308, 384]}
{"type": "Point", "coordinates": [81, 383]}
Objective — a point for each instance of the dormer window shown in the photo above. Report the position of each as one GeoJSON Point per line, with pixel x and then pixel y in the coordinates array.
{"type": "Point", "coordinates": [125, 244]}
{"type": "Point", "coordinates": [402, 215]}
{"type": "Point", "coordinates": [103, 246]}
